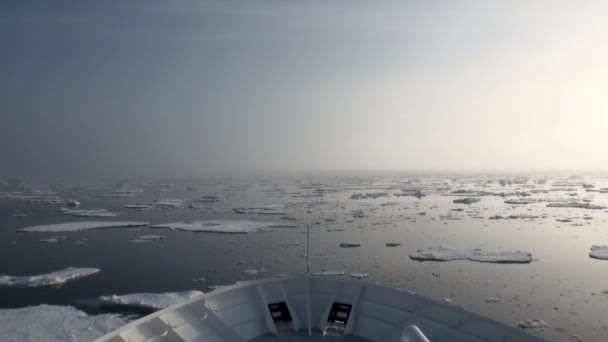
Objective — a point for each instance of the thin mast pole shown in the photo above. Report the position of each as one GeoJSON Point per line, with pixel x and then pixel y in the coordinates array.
{"type": "Point", "coordinates": [308, 275]}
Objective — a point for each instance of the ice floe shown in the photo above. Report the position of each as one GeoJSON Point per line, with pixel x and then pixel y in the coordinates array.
{"type": "Point", "coordinates": [147, 238]}
{"type": "Point", "coordinates": [359, 275]}
{"type": "Point", "coordinates": [155, 301]}
{"type": "Point", "coordinates": [599, 252]}
{"type": "Point", "coordinates": [226, 226]}
{"type": "Point", "coordinates": [441, 253]}
{"type": "Point", "coordinates": [582, 205]}
{"type": "Point", "coordinates": [372, 195]}
{"type": "Point", "coordinates": [328, 273]}
{"type": "Point", "coordinates": [533, 324]}
{"type": "Point", "coordinates": [85, 225]}
{"type": "Point", "coordinates": [87, 212]}
{"type": "Point", "coordinates": [47, 279]}
{"type": "Point", "coordinates": [269, 209]}
{"type": "Point", "coordinates": [55, 323]}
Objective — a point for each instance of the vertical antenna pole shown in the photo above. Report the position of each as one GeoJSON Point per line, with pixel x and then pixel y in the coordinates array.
{"type": "Point", "coordinates": [308, 250]}
{"type": "Point", "coordinates": [308, 275]}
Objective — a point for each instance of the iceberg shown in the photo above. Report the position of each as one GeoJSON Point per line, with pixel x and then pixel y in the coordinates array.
{"type": "Point", "coordinates": [55, 323]}
{"type": "Point", "coordinates": [154, 301]}
{"type": "Point", "coordinates": [85, 225]}
{"type": "Point", "coordinates": [441, 253]}
{"type": "Point", "coordinates": [599, 252]}
{"type": "Point", "coordinates": [47, 279]}
{"type": "Point", "coordinates": [226, 226]}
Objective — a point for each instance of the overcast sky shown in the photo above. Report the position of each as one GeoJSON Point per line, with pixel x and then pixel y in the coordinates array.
{"type": "Point", "coordinates": [127, 88]}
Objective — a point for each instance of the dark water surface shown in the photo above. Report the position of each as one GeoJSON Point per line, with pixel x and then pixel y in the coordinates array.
{"type": "Point", "coordinates": [562, 286]}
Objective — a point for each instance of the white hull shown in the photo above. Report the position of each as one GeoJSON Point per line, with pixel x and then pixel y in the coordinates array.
{"type": "Point", "coordinates": [325, 308]}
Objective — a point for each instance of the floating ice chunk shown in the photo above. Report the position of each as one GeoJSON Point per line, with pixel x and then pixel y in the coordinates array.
{"type": "Point", "coordinates": [533, 324]}
{"type": "Point", "coordinates": [520, 202]}
{"type": "Point", "coordinates": [493, 300]}
{"type": "Point", "coordinates": [139, 206]}
{"type": "Point", "coordinates": [447, 300]}
{"type": "Point", "coordinates": [522, 217]}
{"type": "Point", "coordinates": [85, 225]}
{"type": "Point", "coordinates": [209, 198]}
{"type": "Point", "coordinates": [55, 323]}
{"type": "Point", "coordinates": [467, 200]}
{"type": "Point", "coordinates": [227, 226]}
{"type": "Point", "coordinates": [71, 203]}
{"type": "Point", "coordinates": [48, 279]}
{"type": "Point", "coordinates": [348, 245]}
{"type": "Point", "coordinates": [441, 253]}
{"type": "Point", "coordinates": [251, 272]}
{"type": "Point", "coordinates": [357, 213]}
{"type": "Point", "coordinates": [87, 212]}
{"type": "Point", "coordinates": [328, 273]}
{"type": "Point", "coordinates": [169, 203]}
{"type": "Point", "coordinates": [359, 275]}
{"type": "Point", "coordinates": [393, 244]}
{"type": "Point", "coordinates": [150, 300]}
{"type": "Point", "coordinates": [599, 252]}
{"type": "Point", "coordinates": [147, 238]}
{"type": "Point", "coordinates": [269, 209]}
{"type": "Point", "coordinates": [49, 240]}
{"type": "Point", "coordinates": [372, 195]}
{"type": "Point", "coordinates": [582, 205]}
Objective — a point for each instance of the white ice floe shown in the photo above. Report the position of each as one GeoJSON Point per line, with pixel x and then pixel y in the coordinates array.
{"type": "Point", "coordinates": [169, 203]}
{"type": "Point", "coordinates": [55, 323]}
{"type": "Point", "coordinates": [47, 279]}
{"type": "Point", "coordinates": [147, 238]}
{"type": "Point", "coordinates": [87, 212]}
{"type": "Point", "coordinates": [582, 205]}
{"type": "Point", "coordinates": [441, 253]}
{"type": "Point", "coordinates": [269, 209]}
{"type": "Point", "coordinates": [533, 324]}
{"type": "Point", "coordinates": [599, 252]}
{"type": "Point", "coordinates": [85, 225]}
{"type": "Point", "coordinates": [139, 206]}
{"type": "Point", "coordinates": [225, 226]}
{"type": "Point", "coordinates": [359, 275]}
{"type": "Point", "coordinates": [493, 300]}
{"type": "Point", "coordinates": [150, 300]}
{"type": "Point", "coordinates": [251, 272]}
{"type": "Point", "coordinates": [49, 240]}
{"type": "Point", "coordinates": [328, 273]}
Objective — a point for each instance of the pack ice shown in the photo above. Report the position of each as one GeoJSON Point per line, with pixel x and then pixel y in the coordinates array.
{"type": "Point", "coordinates": [47, 279]}
{"type": "Point", "coordinates": [223, 226]}
{"type": "Point", "coordinates": [55, 323]}
{"type": "Point", "coordinates": [441, 253]}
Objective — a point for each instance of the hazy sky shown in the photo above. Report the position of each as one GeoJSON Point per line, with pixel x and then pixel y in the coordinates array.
{"type": "Point", "coordinates": [199, 87]}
